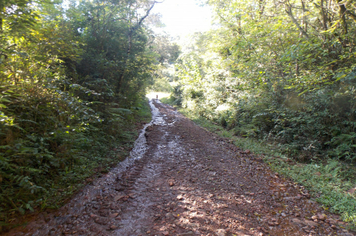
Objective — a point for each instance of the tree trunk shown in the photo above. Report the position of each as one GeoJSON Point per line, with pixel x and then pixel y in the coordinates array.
{"type": "Point", "coordinates": [2, 9]}
{"type": "Point", "coordinates": [305, 21]}
{"type": "Point", "coordinates": [290, 14]}
{"type": "Point", "coordinates": [323, 15]}
{"type": "Point", "coordinates": [129, 46]}
{"type": "Point", "coordinates": [342, 13]}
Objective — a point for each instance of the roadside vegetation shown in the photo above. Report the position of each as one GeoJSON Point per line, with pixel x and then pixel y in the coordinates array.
{"type": "Point", "coordinates": [330, 182]}
{"type": "Point", "coordinates": [73, 79]}
{"type": "Point", "coordinates": [279, 78]}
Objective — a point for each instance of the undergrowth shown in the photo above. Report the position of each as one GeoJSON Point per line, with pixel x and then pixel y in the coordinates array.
{"type": "Point", "coordinates": [51, 143]}
{"type": "Point", "coordinates": [328, 180]}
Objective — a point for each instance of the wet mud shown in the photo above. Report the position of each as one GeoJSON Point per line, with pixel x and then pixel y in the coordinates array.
{"type": "Point", "coordinates": [184, 180]}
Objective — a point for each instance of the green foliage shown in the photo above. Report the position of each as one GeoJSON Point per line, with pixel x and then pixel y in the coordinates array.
{"type": "Point", "coordinates": [72, 82]}
{"type": "Point", "coordinates": [344, 146]}
{"type": "Point", "coordinates": [279, 78]}
{"type": "Point", "coordinates": [282, 72]}
{"type": "Point", "coordinates": [329, 181]}
{"type": "Point", "coordinates": [161, 85]}
{"type": "Point", "coordinates": [166, 53]}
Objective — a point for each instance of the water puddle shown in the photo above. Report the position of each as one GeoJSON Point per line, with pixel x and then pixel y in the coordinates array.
{"type": "Point", "coordinates": [89, 194]}
{"type": "Point", "coordinates": [140, 146]}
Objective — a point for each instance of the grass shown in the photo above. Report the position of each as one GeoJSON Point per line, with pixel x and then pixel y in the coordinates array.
{"type": "Point", "coordinates": [144, 113]}
{"type": "Point", "coordinates": [328, 181]}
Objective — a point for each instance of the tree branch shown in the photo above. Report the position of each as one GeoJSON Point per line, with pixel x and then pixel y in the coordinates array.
{"type": "Point", "coordinates": [290, 14]}
{"type": "Point", "coordinates": [342, 12]}
{"type": "Point", "coordinates": [129, 46]}
{"type": "Point", "coordinates": [352, 15]}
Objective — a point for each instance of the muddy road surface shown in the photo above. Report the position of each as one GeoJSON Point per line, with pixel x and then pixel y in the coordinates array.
{"type": "Point", "coordinates": [184, 180]}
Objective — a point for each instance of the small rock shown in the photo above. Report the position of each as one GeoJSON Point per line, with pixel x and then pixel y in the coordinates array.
{"type": "Point", "coordinates": [310, 223]}
{"type": "Point", "coordinates": [169, 215]}
{"type": "Point", "coordinates": [165, 233]}
{"type": "Point", "coordinates": [273, 222]}
{"type": "Point", "coordinates": [93, 216]}
{"type": "Point", "coordinates": [221, 232]}
{"type": "Point", "coordinates": [180, 197]}
{"type": "Point", "coordinates": [292, 198]}
{"type": "Point", "coordinates": [113, 215]}
{"type": "Point", "coordinates": [113, 227]}
{"type": "Point", "coordinates": [189, 233]}
{"type": "Point", "coordinates": [193, 225]}
{"type": "Point", "coordinates": [101, 221]}
{"type": "Point", "coordinates": [322, 216]}
{"type": "Point", "coordinates": [331, 221]}
{"type": "Point", "coordinates": [119, 197]}
{"type": "Point", "coordinates": [297, 221]}
{"type": "Point", "coordinates": [103, 212]}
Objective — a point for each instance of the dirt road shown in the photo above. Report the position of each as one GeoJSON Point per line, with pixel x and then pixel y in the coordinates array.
{"type": "Point", "coordinates": [184, 180]}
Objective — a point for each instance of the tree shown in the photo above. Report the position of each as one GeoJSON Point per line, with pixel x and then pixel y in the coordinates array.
{"type": "Point", "coordinates": [71, 81]}
{"type": "Point", "coordinates": [284, 69]}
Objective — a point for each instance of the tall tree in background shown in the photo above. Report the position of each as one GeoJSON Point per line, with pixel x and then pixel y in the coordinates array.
{"type": "Point", "coordinates": [286, 73]}
{"type": "Point", "coordinates": [116, 51]}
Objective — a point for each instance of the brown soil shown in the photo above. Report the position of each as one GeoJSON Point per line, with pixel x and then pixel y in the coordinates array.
{"type": "Point", "coordinates": [189, 182]}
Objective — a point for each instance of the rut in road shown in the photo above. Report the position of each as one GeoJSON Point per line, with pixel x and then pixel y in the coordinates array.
{"type": "Point", "coordinates": [185, 180]}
